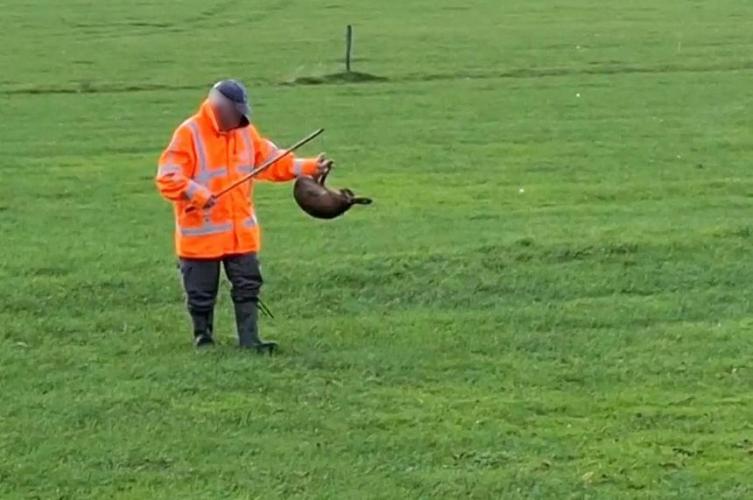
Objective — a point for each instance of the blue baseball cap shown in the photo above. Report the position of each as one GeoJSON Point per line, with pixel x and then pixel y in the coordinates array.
{"type": "Point", "coordinates": [235, 92]}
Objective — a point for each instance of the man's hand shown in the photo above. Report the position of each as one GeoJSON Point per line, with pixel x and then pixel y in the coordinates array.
{"type": "Point", "coordinates": [206, 206]}
{"type": "Point", "coordinates": [323, 165]}
{"type": "Point", "coordinates": [210, 202]}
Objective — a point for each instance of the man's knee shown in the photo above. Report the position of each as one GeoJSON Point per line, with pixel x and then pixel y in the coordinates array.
{"type": "Point", "coordinates": [245, 289]}
{"type": "Point", "coordinates": [245, 276]}
{"type": "Point", "coordinates": [200, 281]}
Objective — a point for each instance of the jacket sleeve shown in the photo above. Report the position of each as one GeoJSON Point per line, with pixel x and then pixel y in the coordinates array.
{"type": "Point", "coordinates": [287, 168]}
{"type": "Point", "coordinates": [175, 171]}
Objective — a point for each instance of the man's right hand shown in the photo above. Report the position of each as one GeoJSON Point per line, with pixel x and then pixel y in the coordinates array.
{"type": "Point", "coordinates": [211, 201]}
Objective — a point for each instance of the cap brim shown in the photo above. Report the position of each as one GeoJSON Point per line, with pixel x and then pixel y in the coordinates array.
{"type": "Point", "coordinates": [244, 110]}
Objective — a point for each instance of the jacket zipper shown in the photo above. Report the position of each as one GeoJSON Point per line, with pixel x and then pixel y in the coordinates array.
{"type": "Point", "coordinates": [228, 157]}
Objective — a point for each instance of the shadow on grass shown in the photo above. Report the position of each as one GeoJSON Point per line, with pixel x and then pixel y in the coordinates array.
{"type": "Point", "coordinates": [90, 88]}
{"type": "Point", "coordinates": [337, 78]}
{"type": "Point", "coordinates": [354, 77]}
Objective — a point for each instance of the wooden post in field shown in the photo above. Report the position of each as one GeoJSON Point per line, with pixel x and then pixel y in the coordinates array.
{"type": "Point", "coordinates": [348, 47]}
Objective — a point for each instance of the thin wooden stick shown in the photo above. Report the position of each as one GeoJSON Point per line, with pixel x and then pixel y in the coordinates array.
{"type": "Point", "coordinates": [270, 162]}
{"type": "Point", "coordinates": [264, 166]}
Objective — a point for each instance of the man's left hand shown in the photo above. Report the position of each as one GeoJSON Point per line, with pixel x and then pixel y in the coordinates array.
{"type": "Point", "coordinates": [323, 165]}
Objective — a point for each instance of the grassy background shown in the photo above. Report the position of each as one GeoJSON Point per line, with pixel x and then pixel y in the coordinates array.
{"type": "Point", "coordinates": [550, 297]}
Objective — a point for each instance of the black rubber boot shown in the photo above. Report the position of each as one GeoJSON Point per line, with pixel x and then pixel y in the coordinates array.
{"type": "Point", "coordinates": [202, 328]}
{"type": "Point", "coordinates": [246, 316]}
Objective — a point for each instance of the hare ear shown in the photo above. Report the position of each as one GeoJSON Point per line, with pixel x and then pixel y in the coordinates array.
{"type": "Point", "coordinates": [360, 200]}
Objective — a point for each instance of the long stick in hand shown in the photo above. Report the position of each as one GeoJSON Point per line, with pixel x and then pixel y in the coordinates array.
{"type": "Point", "coordinates": [264, 166]}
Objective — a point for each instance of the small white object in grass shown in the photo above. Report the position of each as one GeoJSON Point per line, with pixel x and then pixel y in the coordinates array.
{"type": "Point", "coordinates": [521, 190]}
{"type": "Point", "coordinates": [577, 95]}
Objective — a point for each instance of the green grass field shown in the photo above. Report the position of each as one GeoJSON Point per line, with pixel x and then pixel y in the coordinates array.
{"type": "Point", "coordinates": [552, 296]}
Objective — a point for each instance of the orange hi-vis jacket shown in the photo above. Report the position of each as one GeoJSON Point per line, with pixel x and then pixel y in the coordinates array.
{"type": "Point", "coordinates": [202, 160]}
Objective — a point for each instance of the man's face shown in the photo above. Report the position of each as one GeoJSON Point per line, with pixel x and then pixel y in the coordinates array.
{"type": "Point", "coordinates": [228, 117]}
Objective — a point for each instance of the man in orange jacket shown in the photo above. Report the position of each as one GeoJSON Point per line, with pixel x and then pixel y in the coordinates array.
{"type": "Point", "coordinates": [209, 151]}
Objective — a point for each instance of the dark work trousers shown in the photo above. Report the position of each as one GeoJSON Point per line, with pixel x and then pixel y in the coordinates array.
{"type": "Point", "coordinates": [201, 281]}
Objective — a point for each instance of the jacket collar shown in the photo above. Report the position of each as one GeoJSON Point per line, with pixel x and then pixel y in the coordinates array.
{"type": "Point", "coordinates": [206, 114]}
